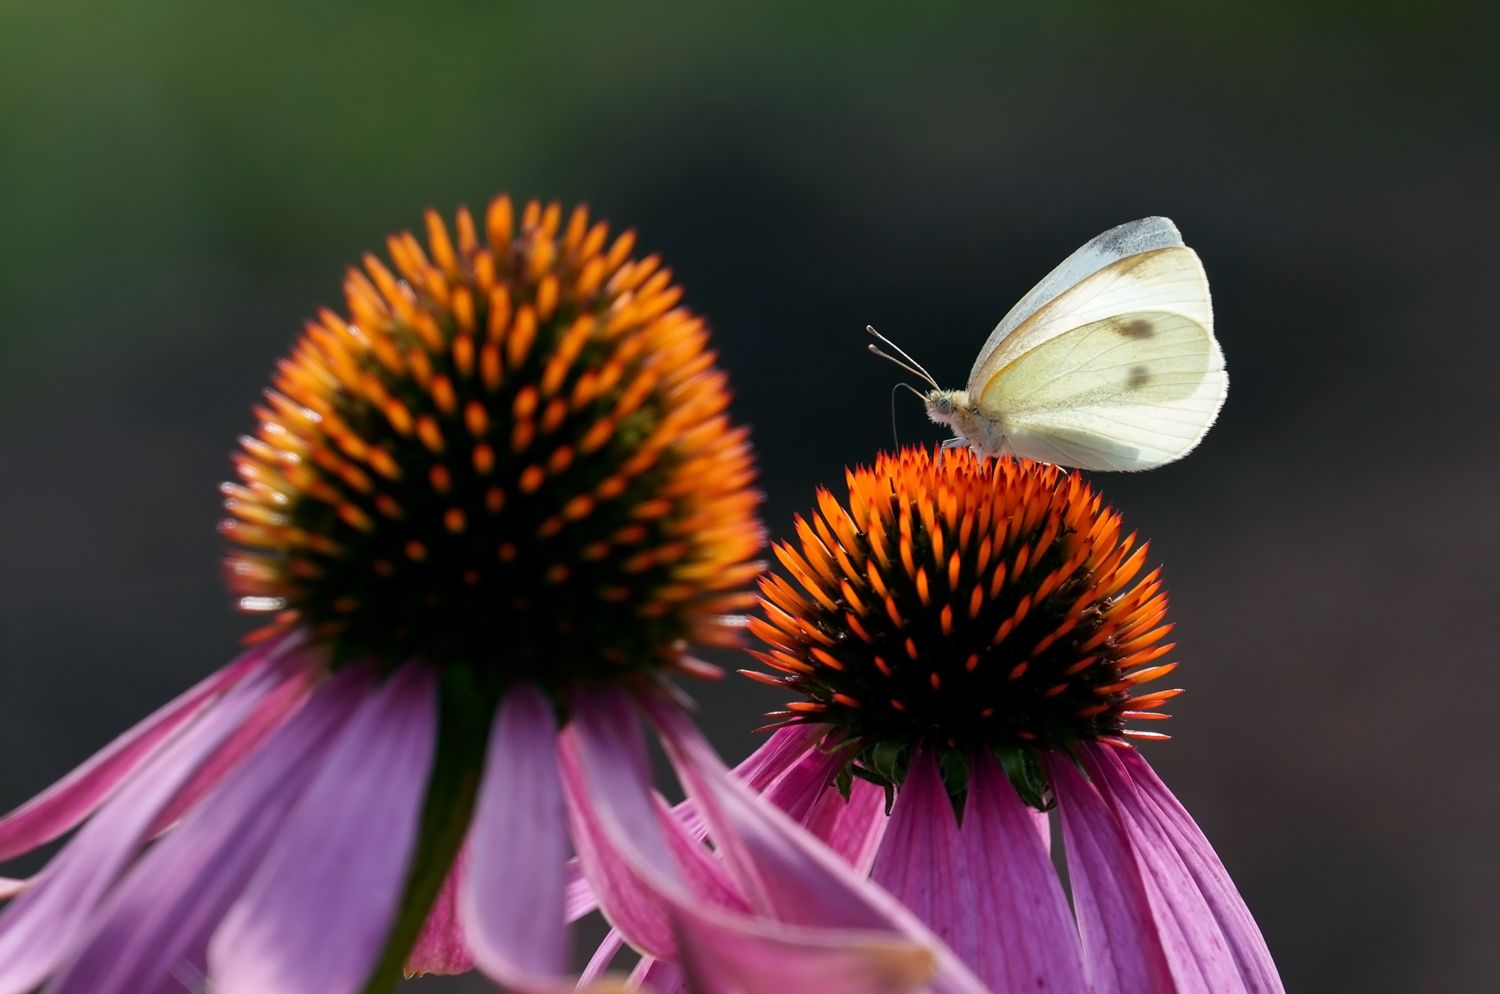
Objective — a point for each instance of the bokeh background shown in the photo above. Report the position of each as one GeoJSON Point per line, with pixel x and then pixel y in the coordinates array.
{"type": "Point", "coordinates": [180, 184]}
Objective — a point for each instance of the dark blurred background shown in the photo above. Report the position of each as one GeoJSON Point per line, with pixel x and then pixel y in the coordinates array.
{"type": "Point", "coordinates": [181, 184]}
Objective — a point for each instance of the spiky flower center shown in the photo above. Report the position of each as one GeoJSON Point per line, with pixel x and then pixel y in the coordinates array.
{"type": "Point", "coordinates": [513, 453]}
{"type": "Point", "coordinates": [956, 604]}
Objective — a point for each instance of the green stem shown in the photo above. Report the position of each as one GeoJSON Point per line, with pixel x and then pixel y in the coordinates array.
{"type": "Point", "coordinates": [464, 715]}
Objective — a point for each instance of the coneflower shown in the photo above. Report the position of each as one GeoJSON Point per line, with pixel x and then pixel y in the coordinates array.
{"type": "Point", "coordinates": [978, 642]}
{"type": "Point", "coordinates": [485, 511]}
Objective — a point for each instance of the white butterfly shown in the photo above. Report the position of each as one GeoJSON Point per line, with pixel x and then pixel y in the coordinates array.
{"type": "Point", "coordinates": [1109, 363]}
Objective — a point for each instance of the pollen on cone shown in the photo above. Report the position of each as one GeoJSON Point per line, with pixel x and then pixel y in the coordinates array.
{"type": "Point", "coordinates": [956, 602]}
{"type": "Point", "coordinates": [483, 420]}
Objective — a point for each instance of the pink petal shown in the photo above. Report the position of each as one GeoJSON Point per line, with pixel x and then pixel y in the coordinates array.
{"type": "Point", "coordinates": [731, 956]}
{"type": "Point", "coordinates": [38, 928]}
{"type": "Point", "coordinates": [783, 870]}
{"type": "Point", "coordinates": [807, 779]}
{"type": "Point", "coordinates": [578, 896]}
{"type": "Point", "coordinates": [9, 887]}
{"type": "Point", "coordinates": [780, 752]}
{"type": "Point", "coordinates": [1132, 936]}
{"type": "Point", "coordinates": [155, 927]}
{"type": "Point", "coordinates": [1041, 821]}
{"type": "Point", "coordinates": [441, 948]}
{"type": "Point", "coordinates": [270, 713]}
{"type": "Point", "coordinates": [79, 794]}
{"type": "Point", "coordinates": [922, 863]}
{"type": "Point", "coordinates": [786, 747]}
{"type": "Point", "coordinates": [1120, 938]}
{"type": "Point", "coordinates": [1194, 945]}
{"type": "Point", "coordinates": [728, 961]}
{"type": "Point", "coordinates": [316, 915]}
{"type": "Point", "coordinates": [631, 839]}
{"type": "Point", "coordinates": [706, 875]}
{"type": "Point", "coordinates": [605, 955]}
{"type": "Point", "coordinates": [1165, 826]}
{"type": "Point", "coordinates": [657, 977]}
{"type": "Point", "coordinates": [511, 897]}
{"type": "Point", "coordinates": [853, 829]}
{"type": "Point", "coordinates": [1027, 940]}
{"type": "Point", "coordinates": [607, 783]}
{"type": "Point", "coordinates": [800, 783]}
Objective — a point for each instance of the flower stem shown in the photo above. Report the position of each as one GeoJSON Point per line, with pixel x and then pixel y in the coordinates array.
{"type": "Point", "coordinates": [463, 726]}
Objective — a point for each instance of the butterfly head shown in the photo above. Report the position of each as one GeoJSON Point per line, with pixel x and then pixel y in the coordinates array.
{"type": "Point", "coordinates": [945, 407]}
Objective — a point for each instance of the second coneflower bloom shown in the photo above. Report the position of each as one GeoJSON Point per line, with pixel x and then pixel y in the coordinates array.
{"type": "Point", "coordinates": [973, 647]}
{"type": "Point", "coordinates": [485, 511]}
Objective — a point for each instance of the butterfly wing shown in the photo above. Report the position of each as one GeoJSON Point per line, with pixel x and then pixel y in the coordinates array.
{"type": "Point", "coordinates": [1131, 238]}
{"type": "Point", "coordinates": [1120, 372]}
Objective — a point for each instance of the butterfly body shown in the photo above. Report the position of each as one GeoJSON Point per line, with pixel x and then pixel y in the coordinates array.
{"type": "Point", "coordinates": [982, 433]}
{"type": "Point", "coordinates": [1109, 363]}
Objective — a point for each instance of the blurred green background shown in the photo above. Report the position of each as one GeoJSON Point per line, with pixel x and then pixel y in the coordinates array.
{"type": "Point", "coordinates": [181, 183]}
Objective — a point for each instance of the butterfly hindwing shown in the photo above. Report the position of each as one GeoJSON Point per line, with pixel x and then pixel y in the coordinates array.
{"type": "Point", "coordinates": [1130, 391]}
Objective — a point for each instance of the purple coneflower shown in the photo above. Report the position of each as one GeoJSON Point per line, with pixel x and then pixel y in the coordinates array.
{"type": "Point", "coordinates": [485, 512]}
{"type": "Point", "coordinates": [972, 638]}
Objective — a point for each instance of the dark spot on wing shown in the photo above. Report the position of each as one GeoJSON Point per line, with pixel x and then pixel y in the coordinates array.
{"type": "Point", "coordinates": [1139, 328]}
{"type": "Point", "coordinates": [1138, 377]}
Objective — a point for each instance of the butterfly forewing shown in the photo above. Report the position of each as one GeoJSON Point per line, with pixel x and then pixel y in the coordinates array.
{"type": "Point", "coordinates": [1122, 241]}
{"type": "Point", "coordinates": [1168, 279]}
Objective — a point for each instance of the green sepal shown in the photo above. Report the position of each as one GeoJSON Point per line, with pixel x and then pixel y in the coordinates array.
{"type": "Point", "coordinates": [1026, 775]}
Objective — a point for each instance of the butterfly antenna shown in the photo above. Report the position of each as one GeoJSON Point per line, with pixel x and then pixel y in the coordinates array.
{"type": "Point", "coordinates": [906, 362]}
{"type": "Point", "coordinates": [895, 436]}
{"type": "Point", "coordinates": [916, 393]}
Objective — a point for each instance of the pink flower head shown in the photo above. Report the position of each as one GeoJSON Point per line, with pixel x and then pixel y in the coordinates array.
{"type": "Point", "coordinates": [972, 640]}
{"type": "Point", "coordinates": [485, 512]}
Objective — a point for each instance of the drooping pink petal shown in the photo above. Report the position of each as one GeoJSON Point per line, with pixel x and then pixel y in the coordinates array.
{"type": "Point", "coordinates": [1133, 938]}
{"type": "Point", "coordinates": [786, 747]}
{"type": "Point", "coordinates": [656, 977]}
{"type": "Point", "coordinates": [922, 862]}
{"type": "Point", "coordinates": [1027, 940]}
{"type": "Point", "coordinates": [717, 960]}
{"type": "Point", "coordinates": [734, 963]}
{"type": "Point", "coordinates": [511, 897]}
{"type": "Point", "coordinates": [77, 795]}
{"type": "Point", "coordinates": [1165, 825]}
{"type": "Point", "coordinates": [1192, 940]}
{"type": "Point", "coordinates": [776, 756]}
{"type": "Point", "coordinates": [795, 774]}
{"type": "Point", "coordinates": [782, 870]}
{"type": "Point", "coordinates": [578, 894]}
{"type": "Point", "coordinates": [607, 784]}
{"type": "Point", "coordinates": [316, 915]}
{"type": "Point", "coordinates": [1041, 821]}
{"type": "Point", "coordinates": [442, 948]}
{"type": "Point", "coordinates": [10, 887]}
{"type": "Point", "coordinates": [703, 872]}
{"type": "Point", "coordinates": [604, 957]}
{"type": "Point", "coordinates": [155, 927]}
{"type": "Point", "coordinates": [807, 779]}
{"type": "Point", "coordinates": [38, 928]}
{"type": "Point", "coordinates": [853, 829]}
{"type": "Point", "coordinates": [269, 714]}
{"type": "Point", "coordinates": [633, 840]}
